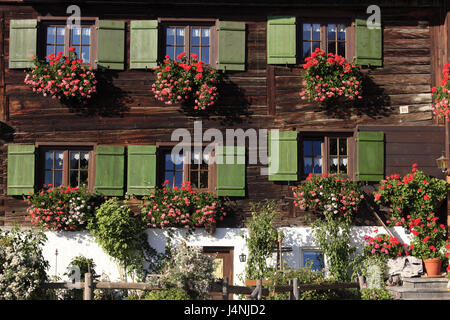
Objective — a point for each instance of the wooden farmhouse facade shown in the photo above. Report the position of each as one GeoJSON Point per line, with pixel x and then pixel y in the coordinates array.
{"type": "Point", "coordinates": [119, 145]}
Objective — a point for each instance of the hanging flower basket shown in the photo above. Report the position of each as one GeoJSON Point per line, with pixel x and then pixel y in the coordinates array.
{"type": "Point", "coordinates": [62, 77]}
{"type": "Point", "coordinates": [330, 78]}
{"type": "Point", "coordinates": [188, 82]}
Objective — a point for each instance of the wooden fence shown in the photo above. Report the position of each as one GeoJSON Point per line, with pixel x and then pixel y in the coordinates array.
{"type": "Point", "coordinates": [254, 293]}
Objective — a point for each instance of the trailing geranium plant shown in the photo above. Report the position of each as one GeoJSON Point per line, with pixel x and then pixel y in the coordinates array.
{"type": "Point", "coordinates": [383, 246]}
{"type": "Point", "coordinates": [328, 194]}
{"type": "Point", "coordinates": [441, 95]}
{"type": "Point", "coordinates": [330, 77]}
{"type": "Point", "coordinates": [62, 77]}
{"type": "Point", "coordinates": [409, 197]}
{"type": "Point", "coordinates": [181, 207]}
{"type": "Point", "coordinates": [186, 80]}
{"type": "Point", "coordinates": [61, 208]}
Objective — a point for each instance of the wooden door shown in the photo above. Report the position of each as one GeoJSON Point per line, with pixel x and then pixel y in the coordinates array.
{"type": "Point", "coordinates": [223, 258]}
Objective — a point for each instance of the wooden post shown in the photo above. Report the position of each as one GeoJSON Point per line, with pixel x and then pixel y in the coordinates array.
{"type": "Point", "coordinates": [295, 290]}
{"type": "Point", "coordinates": [88, 287]}
{"type": "Point", "coordinates": [225, 288]}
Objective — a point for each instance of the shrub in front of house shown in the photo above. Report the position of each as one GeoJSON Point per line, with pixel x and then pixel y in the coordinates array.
{"type": "Point", "coordinates": [186, 80]}
{"type": "Point", "coordinates": [182, 207]}
{"type": "Point", "coordinates": [62, 77]}
{"type": "Point", "coordinates": [61, 208]}
{"type": "Point", "coordinates": [330, 78]}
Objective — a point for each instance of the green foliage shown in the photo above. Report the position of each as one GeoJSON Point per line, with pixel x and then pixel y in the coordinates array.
{"type": "Point", "coordinates": [376, 294]}
{"type": "Point", "coordinates": [168, 294]}
{"type": "Point", "coordinates": [61, 208]}
{"type": "Point", "coordinates": [261, 239]}
{"type": "Point", "coordinates": [121, 234]}
{"type": "Point", "coordinates": [428, 237]}
{"type": "Point", "coordinates": [410, 197]}
{"type": "Point", "coordinates": [22, 265]}
{"type": "Point", "coordinates": [84, 265]}
{"type": "Point", "coordinates": [384, 247]}
{"type": "Point", "coordinates": [186, 268]}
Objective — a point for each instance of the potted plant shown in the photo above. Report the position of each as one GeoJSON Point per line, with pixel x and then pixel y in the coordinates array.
{"type": "Point", "coordinates": [63, 77]}
{"type": "Point", "coordinates": [428, 239]}
{"type": "Point", "coordinates": [329, 78]}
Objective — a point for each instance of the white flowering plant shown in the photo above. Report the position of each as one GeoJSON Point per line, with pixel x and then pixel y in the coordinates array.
{"type": "Point", "coordinates": [22, 265]}
{"type": "Point", "coordinates": [61, 208]}
{"type": "Point", "coordinates": [187, 268]}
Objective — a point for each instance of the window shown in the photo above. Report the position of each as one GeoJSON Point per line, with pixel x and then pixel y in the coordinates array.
{"type": "Point", "coordinates": [329, 37]}
{"type": "Point", "coordinates": [329, 154]}
{"type": "Point", "coordinates": [65, 166]}
{"type": "Point", "coordinates": [58, 37]}
{"type": "Point", "coordinates": [177, 170]}
{"type": "Point", "coordinates": [195, 38]}
{"type": "Point", "coordinates": [313, 258]}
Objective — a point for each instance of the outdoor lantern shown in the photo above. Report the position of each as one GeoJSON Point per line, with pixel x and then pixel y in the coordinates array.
{"type": "Point", "coordinates": [442, 163]}
{"type": "Point", "coordinates": [242, 257]}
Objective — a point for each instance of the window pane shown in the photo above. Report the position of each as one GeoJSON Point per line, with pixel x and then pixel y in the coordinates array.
{"type": "Point", "coordinates": [85, 52]}
{"type": "Point", "coordinates": [333, 146]}
{"type": "Point", "coordinates": [316, 32]}
{"type": "Point", "coordinates": [333, 165]}
{"type": "Point", "coordinates": [317, 165]}
{"type": "Point", "coordinates": [341, 32]}
{"type": "Point", "coordinates": [194, 179]}
{"type": "Point", "coordinates": [332, 47]}
{"type": "Point", "coordinates": [308, 165]}
{"type": "Point", "coordinates": [178, 161]}
{"type": "Point", "coordinates": [313, 259]}
{"type": "Point", "coordinates": [51, 33]}
{"type": "Point", "coordinates": [76, 36]}
{"type": "Point", "coordinates": [343, 147]}
{"type": "Point", "coordinates": [83, 178]}
{"type": "Point", "coordinates": [168, 161]}
{"type": "Point", "coordinates": [59, 158]}
{"type": "Point", "coordinates": [84, 160]}
{"type": "Point", "coordinates": [86, 36]}
{"type": "Point", "coordinates": [60, 33]}
{"type": "Point", "coordinates": [58, 178]}
{"type": "Point", "coordinates": [59, 49]}
{"type": "Point", "coordinates": [178, 50]}
{"type": "Point", "coordinates": [331, 32]}
{"type": "Point", "coordinates": [306, 31]}
{"type": "Point", "coordinates": [170, 36]}
{"type": "Point", "coordinates": [178, 178]}
{"type": "Point", "coordinates": [341, 49]}
{"type": "Point", "coordinates": [315, 45]}
{"type": "Point", "coordinates": [74, 158]}
{"type": "Point", "coordinates": [196, 36]}
{"type": "Point", "coordinates": [203, 179]}
{"type": "Point", "coordinates": [74, 179]}
{"type": "Point", "coordinates": [343, 164]}
{"type": "Point", "coordinates": [49, 160]}
{"type": "Point", "coordinates": [180, 37]}
{"type": "Point", "coordinates": [48, 178]}
{"type": "Point", "coordinates": [317, 148]}
{"type": "Point", "coordinates": [168, 175]}
{"type": "Point", "coordinates": [49, 51]}
{"type": "Point", "coordinates": [306, 49]}
{"type": "Point", "coordinates": [170, 52]}
{"type": "Point", "coordinates": [77, 50]}
{"type": "Point", "coordinates": [205, 36]}
{"type": "Point", "coordinates": [196, 158]}
{"type": "Point", "coordinates": [205, 54]}
{"type": "Point", "coordinates": [196, 50]}
{"type": "Point", "coordinates": [307, 148]}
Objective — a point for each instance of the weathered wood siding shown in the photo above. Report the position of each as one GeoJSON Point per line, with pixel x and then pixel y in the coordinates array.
{"type": "Point", "coordinates": [261, 97]}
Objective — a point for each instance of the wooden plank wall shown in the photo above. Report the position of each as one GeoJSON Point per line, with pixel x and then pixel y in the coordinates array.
{"type": "Point", "coordinates": [260, 97]}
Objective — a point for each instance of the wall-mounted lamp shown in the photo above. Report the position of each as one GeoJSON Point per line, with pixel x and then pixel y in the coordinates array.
{"type": "Point", "coordinates": [442, 163]}
{"type": "Point", "coordinates": [242, 257]}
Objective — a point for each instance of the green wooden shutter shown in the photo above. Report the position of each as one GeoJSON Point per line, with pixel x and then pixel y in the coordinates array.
{"type": "Point", "coordinates": [230, 171]}
{"type": "Point", "coordinates": [143, 44]}
{"type": "Point", "coordinates": [370, 156]}
{"type": "Point", "coordinates": [281, 40]}
{"type": "Point", "coordinates": [141, 170]}
{"type": "Point", "coordinates": [21, 169]}
{"type": "Point", "coordinates": [231, 55]}
{"type": "Point", "coordinates": [369, 44]}
{"type": "Point", "coordinates": [22, 43]}
{"type": "Point", "coordinates": [111, 44]}
{"type": "Point", "coordinates": [109, 175]}
{"type": "Point", "coordinates": [283, 155]}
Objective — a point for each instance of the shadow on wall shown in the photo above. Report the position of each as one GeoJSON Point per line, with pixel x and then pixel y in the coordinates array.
{"type": "Point", "coordinates": [232, 107]}
{"type": "Point", "coordinates": [374, 104]}
{"type": "Point", "coordinates": [6, 133]}
{"type": "Point", "coordinates": [109, 101]}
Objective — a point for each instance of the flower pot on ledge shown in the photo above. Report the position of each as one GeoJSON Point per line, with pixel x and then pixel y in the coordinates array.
{"type": "Point", "coordinates": [433, 266]}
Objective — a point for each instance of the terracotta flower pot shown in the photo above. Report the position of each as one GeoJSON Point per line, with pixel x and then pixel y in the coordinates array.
{"type": "Point", "coordinates": [433, 266]}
